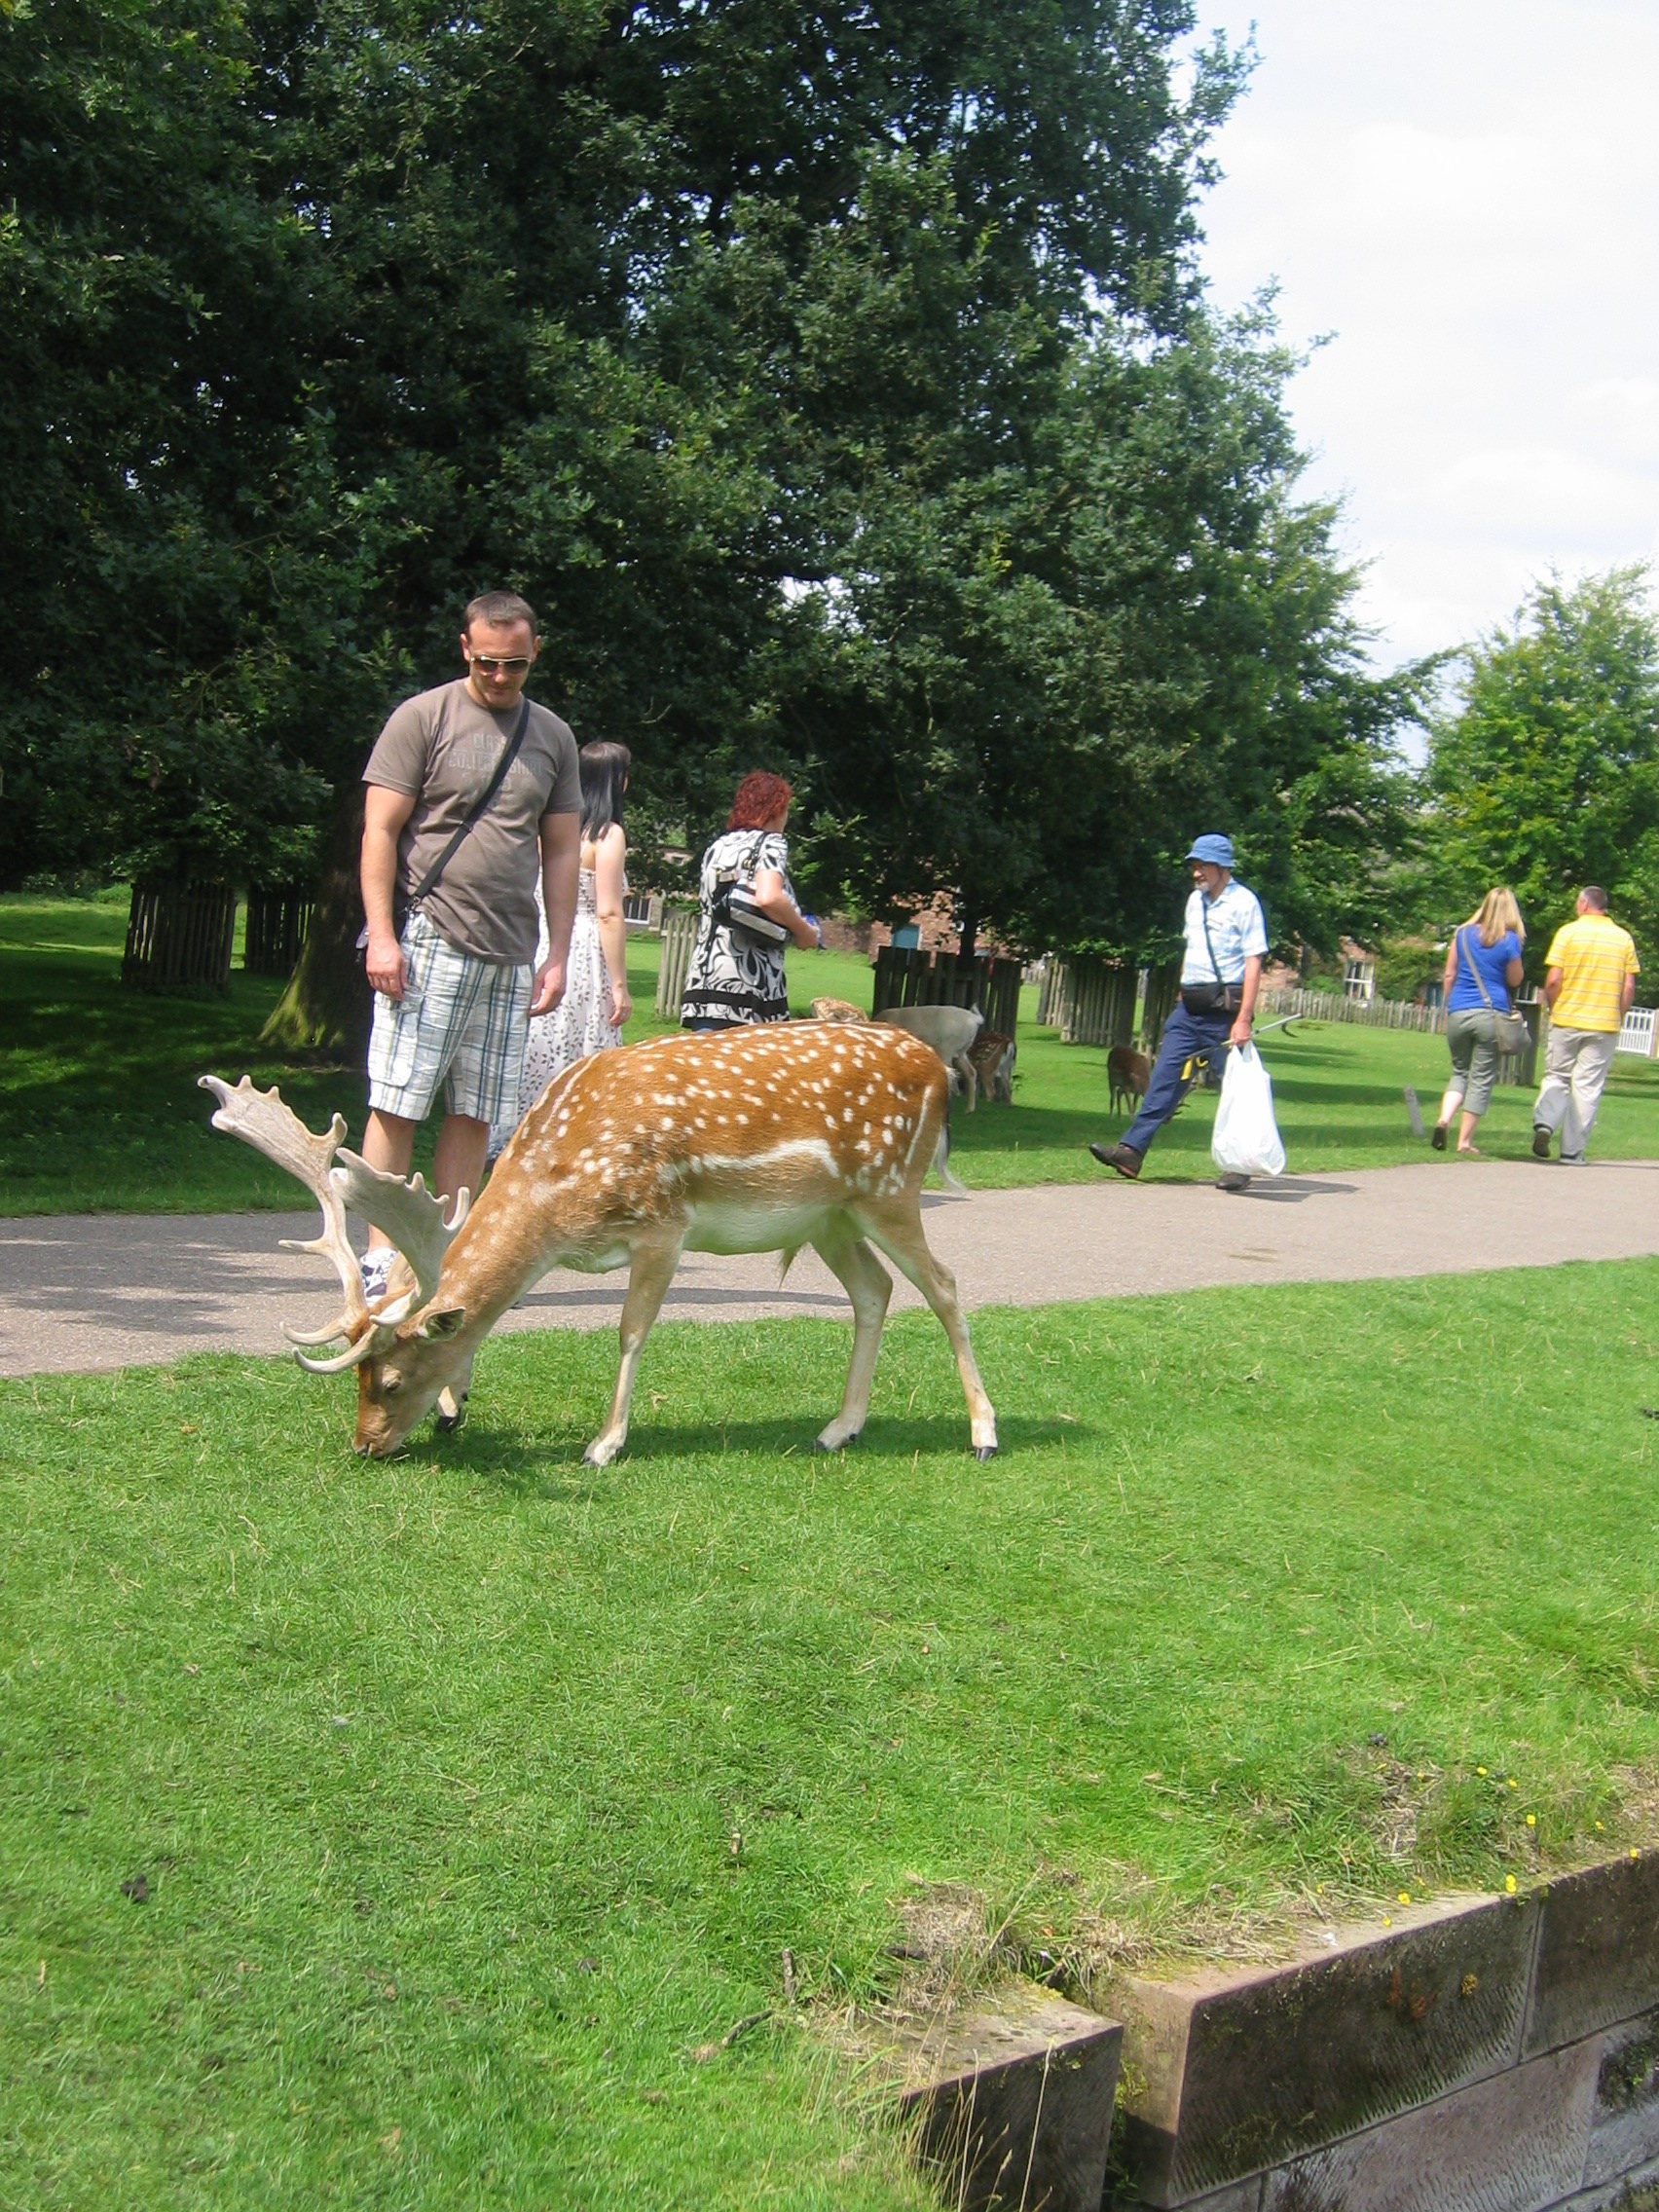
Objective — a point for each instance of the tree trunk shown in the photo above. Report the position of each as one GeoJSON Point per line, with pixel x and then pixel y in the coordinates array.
{"type": "Point", "coordinates": [968, 935]}
{"type": "Point", "coordinates": [328, 1005]}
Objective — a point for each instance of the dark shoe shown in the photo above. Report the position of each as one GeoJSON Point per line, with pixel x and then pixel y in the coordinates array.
{"type": "Point", "coordinates": [1540, 1142]}
{"type": "Point", "coordinates": [1232, 1181]}
{"type": "Point", "coordinates": [1437, 1137]}
{"type": "Point", "coordinates": [1122, 1157]}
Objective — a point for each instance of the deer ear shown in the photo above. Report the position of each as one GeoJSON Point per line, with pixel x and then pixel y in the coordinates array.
{"type": "Point", "coordinates": [440, 1322]}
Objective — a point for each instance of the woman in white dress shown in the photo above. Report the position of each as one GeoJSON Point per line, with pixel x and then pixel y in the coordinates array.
{"type": "Point", "coordinates": [590, 1015]}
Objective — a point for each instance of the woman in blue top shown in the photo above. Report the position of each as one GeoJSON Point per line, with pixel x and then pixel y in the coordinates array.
{"type": "Point", "coordinates": [1483, 967]}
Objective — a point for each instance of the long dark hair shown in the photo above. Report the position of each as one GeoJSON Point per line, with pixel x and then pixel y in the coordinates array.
{"type": "Point", "coordinates": [604, 770]}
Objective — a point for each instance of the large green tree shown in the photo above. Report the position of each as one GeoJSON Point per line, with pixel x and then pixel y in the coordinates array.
{"type": "Point", "coordinates": [303, 289]}
{"type": "Point", "coordinates": [1543, 772]}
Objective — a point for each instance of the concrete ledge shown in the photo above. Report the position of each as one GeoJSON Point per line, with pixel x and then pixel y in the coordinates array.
{"type": "Point", "coordinates": [1513, 2143]}
{"type": "Point", "coordinates": [1598, 1951]}
{"type": "Point", "coordinates": [1499, 2055]}
{"type": "Point", "coordinates": [1234, 2073]}
{"type": "Point", "coordinates": [1014, 2100]}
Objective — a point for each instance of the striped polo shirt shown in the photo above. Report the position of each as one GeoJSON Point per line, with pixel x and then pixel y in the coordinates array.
{"type": "Point", "coordinates": [1594, 956]}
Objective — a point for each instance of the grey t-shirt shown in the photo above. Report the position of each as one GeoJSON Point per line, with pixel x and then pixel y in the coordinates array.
{"type": "Point", "coordinates": [441, 748]}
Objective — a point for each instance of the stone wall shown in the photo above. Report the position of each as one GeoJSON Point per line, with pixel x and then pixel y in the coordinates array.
{"type": "Point", "coordinates": [1485, 2054]}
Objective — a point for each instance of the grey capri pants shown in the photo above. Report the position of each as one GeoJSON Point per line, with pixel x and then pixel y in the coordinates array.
{"type": "Point", "coordinates": [1471, 1039]}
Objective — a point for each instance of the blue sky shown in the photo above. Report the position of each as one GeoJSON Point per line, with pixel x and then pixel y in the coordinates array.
{"type": "Point", "coordinates": [1466, 198]}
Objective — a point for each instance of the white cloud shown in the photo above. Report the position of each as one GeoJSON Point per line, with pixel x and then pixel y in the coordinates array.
{"type": "Point", "coordinates": [1466, 197]}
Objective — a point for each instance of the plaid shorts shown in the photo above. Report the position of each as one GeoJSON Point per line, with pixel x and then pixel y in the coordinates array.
{"type": "Point", "coordinates": [460, 1018]}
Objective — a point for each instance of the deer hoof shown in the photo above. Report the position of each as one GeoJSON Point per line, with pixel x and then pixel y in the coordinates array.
{"type": "Point", "coordinates": [600, 1454]}
{"type": "Point", "coordinates": [451, 1413]}
{"type": "Point", "coordinates": [826, 1443]}
{"type": "Point", "coordinates": [984, 1450]}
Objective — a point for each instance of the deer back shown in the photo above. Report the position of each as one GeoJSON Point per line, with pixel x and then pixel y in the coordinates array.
{"type": "Point", "coordinates": [772, 1123]}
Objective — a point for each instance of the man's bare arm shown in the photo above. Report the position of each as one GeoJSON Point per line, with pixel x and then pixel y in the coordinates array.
{"type": "Point", "coordinates": [1239, 1033]}
{"type": "Point", "coordinates": [1552, 986]}
{"type": "Point", "coordinates": [561, 862]}
{"type": "Point", "coordinates": [1627, 997]}
{"type": "Point", "coordinates": [385, 813]}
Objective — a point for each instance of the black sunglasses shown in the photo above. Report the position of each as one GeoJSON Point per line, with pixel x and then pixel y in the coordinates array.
{"type": "Point", "coordinates": [497, 667]}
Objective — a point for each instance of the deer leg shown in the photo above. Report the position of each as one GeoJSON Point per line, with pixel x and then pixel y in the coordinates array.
{"type": "Point", "coordinates": [648, 1278]}
{"type": "Point", "coordinates": [970, 1075]}
{"type": "Point", "coordinates": [900, 1236]}
{"type": "Point", "coordinates": [451, 1401]}
{"type": "Point", "coordinates": [867, 1283]}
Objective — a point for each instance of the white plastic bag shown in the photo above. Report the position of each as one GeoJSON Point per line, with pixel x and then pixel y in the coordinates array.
{"type": "Point", "coordinates": [1246, 1139]}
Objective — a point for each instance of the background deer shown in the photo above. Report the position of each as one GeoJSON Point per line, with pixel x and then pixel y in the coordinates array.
{"type": "Point", "coordinates": [751, 1140]}
{"type": "Point", "coordinates": [948, 1029]}
{"type": "Point", "coordinates": [1127, 1074]}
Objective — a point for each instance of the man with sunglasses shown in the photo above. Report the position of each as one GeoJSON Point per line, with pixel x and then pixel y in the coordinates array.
{"type": "Point", "coordinates": [472, 793]}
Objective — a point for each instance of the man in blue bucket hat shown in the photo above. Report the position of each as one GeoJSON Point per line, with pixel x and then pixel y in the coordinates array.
{"type": "Point", "coordinates": [1221, 973]}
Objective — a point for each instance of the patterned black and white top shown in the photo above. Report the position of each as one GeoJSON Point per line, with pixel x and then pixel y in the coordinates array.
{"type": "Point", "coordinates": [735, 978]}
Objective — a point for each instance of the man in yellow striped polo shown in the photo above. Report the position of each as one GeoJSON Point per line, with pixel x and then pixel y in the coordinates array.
{"type": "Point", "coordinates": [1590, 981]}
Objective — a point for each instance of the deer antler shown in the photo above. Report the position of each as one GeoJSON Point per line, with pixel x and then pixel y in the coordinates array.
{"type": "Point", "coordinates": [260, 1119]}
{"type": "Point", "coordinates": [410, 1214]}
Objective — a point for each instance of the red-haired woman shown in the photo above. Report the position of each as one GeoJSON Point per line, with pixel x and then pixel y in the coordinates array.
{"type": "Point", "coordinates": [736, 975]}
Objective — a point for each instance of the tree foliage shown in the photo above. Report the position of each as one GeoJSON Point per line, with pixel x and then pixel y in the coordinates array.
{"type": "Point", "coordinates": [1544, 774]}
{"type": "Point", "coordinates": [836, 381]}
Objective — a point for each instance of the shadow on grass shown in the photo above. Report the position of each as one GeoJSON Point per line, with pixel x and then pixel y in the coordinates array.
{"type": "Point", "coordinates": [558, 1473]}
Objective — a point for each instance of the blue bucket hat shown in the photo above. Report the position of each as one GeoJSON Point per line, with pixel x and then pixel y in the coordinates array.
{"type": "Point", "coordinates": [1216, 850]}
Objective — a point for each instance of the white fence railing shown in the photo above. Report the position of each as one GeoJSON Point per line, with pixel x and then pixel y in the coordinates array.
{"type": "Point", "coordinates": [1637, 1035]}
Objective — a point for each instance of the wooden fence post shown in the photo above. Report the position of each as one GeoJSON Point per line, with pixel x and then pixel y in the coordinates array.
{"type": "Point", "coordinates": [179, 937]}
{"type": "Point", "coordinates": [679, 941]}
{"type": "Point", "coordinates": [275, 929]}
{"type": "Point", "coordinates": [1162, 988]}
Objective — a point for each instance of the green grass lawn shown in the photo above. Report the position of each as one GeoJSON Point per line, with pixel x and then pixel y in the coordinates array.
{"type": "Point", "coordinates": [100, 1109]}
{"type": "Point", "coordinates": [477, 1796]}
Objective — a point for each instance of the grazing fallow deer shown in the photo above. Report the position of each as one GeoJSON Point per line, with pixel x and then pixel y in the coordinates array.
{"type": "Point", "coordinates": [747, 1140]}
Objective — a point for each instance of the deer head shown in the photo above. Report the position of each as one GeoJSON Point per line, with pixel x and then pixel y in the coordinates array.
{"type": "Point", "coordinates": [403, 1347]}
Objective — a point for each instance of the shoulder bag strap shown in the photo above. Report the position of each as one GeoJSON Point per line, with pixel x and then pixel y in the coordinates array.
{"type": "Point", "coordinates": [479, 806]}
{"type": "Point", "coordinates": [1203, 916]}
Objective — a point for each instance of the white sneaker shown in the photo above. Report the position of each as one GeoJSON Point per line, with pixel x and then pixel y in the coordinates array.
{"type": "Point", "coordinates": [375, 1267]}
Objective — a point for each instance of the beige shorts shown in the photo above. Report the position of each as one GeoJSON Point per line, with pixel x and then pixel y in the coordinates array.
{"type": "Point", "coordinates": [461, 1022]}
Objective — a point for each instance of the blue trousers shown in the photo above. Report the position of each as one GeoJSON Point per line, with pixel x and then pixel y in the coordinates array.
{"type": "Point", "coordinates": [1185, 1035]}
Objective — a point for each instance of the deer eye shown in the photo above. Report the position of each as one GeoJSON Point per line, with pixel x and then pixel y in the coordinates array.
{"type": "Point", "coordinates": [390, 1381]}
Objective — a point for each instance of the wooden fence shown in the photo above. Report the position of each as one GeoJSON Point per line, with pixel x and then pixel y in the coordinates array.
{"type": "Point", "coordinates": [906, 975]}
{"type": "Point", "coordinates": [277, 920]}
{"type": "Point", "coordinates": [679, 938]}
{"type": "Point", "coordinates": [179, 935]}
{"type": "Point", "coordinates": [1368, 1013]}
{"type": "Point", "coordinates": [1093, 1002]}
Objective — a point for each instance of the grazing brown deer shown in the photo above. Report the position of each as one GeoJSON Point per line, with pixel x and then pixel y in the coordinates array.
{"type": "Point", "coordinates": [751, 1140]}
{"type": "Point", "coordinates": [991, 1055]}
{"type": "Point", "coordinates": [1127, 1074]}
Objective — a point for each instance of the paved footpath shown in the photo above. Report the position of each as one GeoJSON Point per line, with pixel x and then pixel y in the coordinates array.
{"type": "Point", "coordinates": [85, 1291]}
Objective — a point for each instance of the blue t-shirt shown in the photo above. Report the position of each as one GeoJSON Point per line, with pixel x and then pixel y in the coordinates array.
{"type": "Point", "coordinates": [1492, 960]}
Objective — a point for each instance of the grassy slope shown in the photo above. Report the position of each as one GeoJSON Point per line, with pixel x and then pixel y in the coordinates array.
{"type": "Point", "coordinates": [98, 1107]}
{"type": "Point", "coordinates": [433, 1769]}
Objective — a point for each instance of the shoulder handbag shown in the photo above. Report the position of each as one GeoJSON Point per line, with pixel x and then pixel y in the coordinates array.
{"type": "Point", "coordinates": [1510, 1029]}
{"type": "Point", "coordinates": [401, 908]}
{"type": "Point", "coordinates": [733, 906]}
